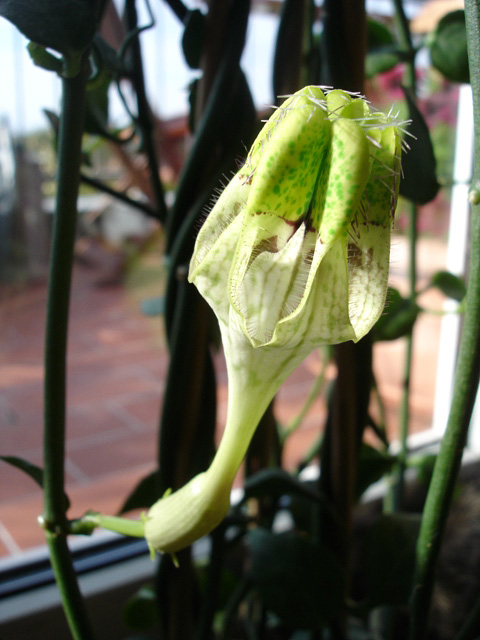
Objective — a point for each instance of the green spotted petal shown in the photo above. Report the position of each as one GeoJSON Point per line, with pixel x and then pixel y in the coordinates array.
{"type": "Point", "coordinates": [288, 155]}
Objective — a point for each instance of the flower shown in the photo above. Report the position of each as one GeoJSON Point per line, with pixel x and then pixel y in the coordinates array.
{"type": "Point", "coordinates": [293, 255]}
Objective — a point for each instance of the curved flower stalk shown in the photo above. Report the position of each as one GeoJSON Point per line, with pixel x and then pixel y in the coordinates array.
{"type": "Point", "coordinates": [293, 255]}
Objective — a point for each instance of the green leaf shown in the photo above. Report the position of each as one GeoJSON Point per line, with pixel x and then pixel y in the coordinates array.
{"type": "Point", "coordinates": [54, 122]}
{"type": "Point", "coordinates": [398, 317]}
{"type": "Point", "coordinates": [381, 60]}
{"type": "Point", "coordinates": [193, 37]}
{"type": "Point", "coordinates": [301, 582]}
{"type": "Point", "coordinates": [144, 494]}
{"type": "Point", "coordinates": [448, 47]}
{"type": "Point", "coordinates": [419, 179]}
{"type": "Point", "coordinates": [383, 53]}
{"type": "Point", "coordinates": [277, 482]}
{"type": "Point", "coordinates": [67, 26]}
{"type": "Point", "coordinates": [43, 58]}
{"type": "Point", "coordinates": [96, 107]}
{"type": "Point", "coordinates": [35, 472]}
{"type": "Point", "coordinates": [450, 285]}
{"type": "Point", "coordinates": [378, 35]}
{"type": "Point", "coordinates": [390, 558]}
{"type": "Point", "coordinates": [372, 466]}
{"type": "Point", "coordinates": [141, 610]}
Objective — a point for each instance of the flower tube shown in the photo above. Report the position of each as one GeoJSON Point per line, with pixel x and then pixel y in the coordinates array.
{"type": "Point", "coordinates": [294, 255]}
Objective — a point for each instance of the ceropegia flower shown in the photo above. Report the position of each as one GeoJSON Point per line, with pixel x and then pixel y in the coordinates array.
{"type": "Point", "coordinates": [293, 255]}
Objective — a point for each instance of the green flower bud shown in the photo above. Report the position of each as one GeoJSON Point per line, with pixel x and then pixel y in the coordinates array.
{"type": "Point", "coordinates": [293, 255]}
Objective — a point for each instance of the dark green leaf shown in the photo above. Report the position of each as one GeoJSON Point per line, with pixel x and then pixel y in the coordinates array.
{"type": "Point", "coordinates": [448, 47]}
{"type": "Point", "coordinates": [96, 108]}
{"type": "Point", "coordinates": [383, 53]}
{"type": "Point", "coordinates": [419, 179]}
{"type": "Point", "coordinates": [144, 494]}
{"type": "Point", "coordinates": [450, 285]}
{"type": "Point", "coordinates": [397, 319]}
{"type": "Point", "coordinates": [381, 60]}
{"type": "Point", "coordinates": [54, 121]}
{"type": "Point", "coordinates": [372, 466]}
{"type": "Point", "coordinates": [378, 35]}
{"type": "Point", "coordinates": [390, 558]}
{"type": "Point", "coordinates": [67, 26]}
{"type": "Point", "coordinates": [193, 37]}
{"type": "Point", "coordinates": [140, 612]}
{"type": "Point", "coordinates": [32, 470]}
{"type": "Point", "coordinates": [301, 582]}
{"type": "Point", "coordinates": [277, 482]}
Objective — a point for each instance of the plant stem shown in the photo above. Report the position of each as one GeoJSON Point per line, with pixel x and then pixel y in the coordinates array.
{"type": "Point", "coordinates": [213, 585]}
{"type": "Point", "coordinates": [406, 42]}
{"type": "Point", "coordinates": [126, 526]}
{"type": "Point", "coordinates": [144, 119]}
{"type": "Point", "coordinates": [312, 396]}
{"type": "Point", "coordinates": [72, 599]}
{"type": "Point", "coordinates": [467, 376]}
{"type": "Point", "coordinates": [69, 156]}
{"type": "Point", "coordinates": [119, 195]}
{"type": "Point", "coordinates": [394, 500]}
{"type": "Point", "coordinates": [220, 73]}
{"type": "Point", "coordinates": [343, 442]}
{"type": "Point", "coordinates": [344, 42]}
{"type": "Point", "coordinates": [178, 8]}
{"type": "Point", "coordinates": [290, 68]}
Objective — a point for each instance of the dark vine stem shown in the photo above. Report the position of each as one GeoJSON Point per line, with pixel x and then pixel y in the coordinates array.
{"type": "Point", "coordinates": [406, 42]}
{"type": "Point", "coordinates": [54, 516]}
{"type": "Point", "coordinates": [467, 376]}
{"type": "Point", "coordinates": [118, 195]}
{"type": "Point", "coordinates": [213, 109]}
{"type": "Point", "coordinates": [186, 434]}
{"type": "Point", "coordinates": [344, 41]}
{"type": "Point", "coordinates": [178, 8]}
{"type": "Point", "coordinates": [144, 119]}
{"type": "Point", "coordinates": [394, 500]}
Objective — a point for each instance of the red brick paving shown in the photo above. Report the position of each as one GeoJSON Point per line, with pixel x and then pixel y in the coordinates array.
{"type": "Point", "coordinates": [117, 365]}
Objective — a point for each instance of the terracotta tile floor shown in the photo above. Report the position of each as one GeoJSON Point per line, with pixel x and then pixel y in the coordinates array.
{"type": "Point", "coordinates": [117, 363]}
